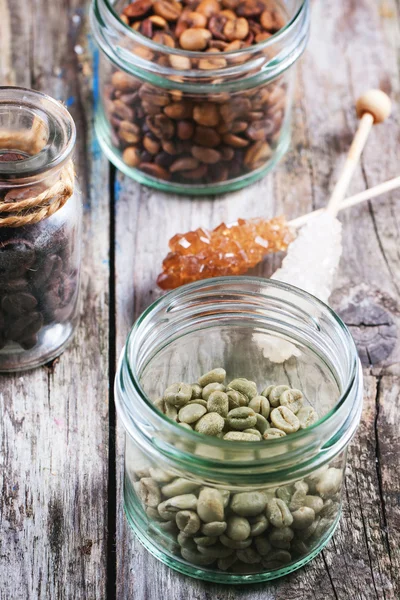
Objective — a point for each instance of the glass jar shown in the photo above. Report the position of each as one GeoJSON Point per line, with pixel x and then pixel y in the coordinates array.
{"type": "Point", "coordinates": [40, 229]}
{"type": "Point", "coordinates": [194, 122]}
{"type": "Point", "coordinates": [233, 323]}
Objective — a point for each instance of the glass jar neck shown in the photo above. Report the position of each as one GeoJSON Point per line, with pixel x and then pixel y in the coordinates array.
{"type": "Point", "coordinates": [241, 69]}
{"type": "Point", "coordinates": [263, 306]}
{"type": "Point", "coordinates": [37, 137]}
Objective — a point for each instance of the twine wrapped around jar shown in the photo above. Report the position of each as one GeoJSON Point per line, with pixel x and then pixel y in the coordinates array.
{"type": "Point", "coordinates": [29, 211]}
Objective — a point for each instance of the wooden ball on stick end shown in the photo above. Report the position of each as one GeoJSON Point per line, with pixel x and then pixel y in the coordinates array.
{"type": "Point", "coordinates": [376, 103]}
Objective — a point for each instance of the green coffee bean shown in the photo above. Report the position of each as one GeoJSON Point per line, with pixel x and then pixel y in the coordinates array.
{"type": "Point", "coordinates": [260, 405]}
{"type": "Point", "coordinates": [210, 506]}
{"type": "Point", "coordinates": [178, 487]}
{"type": "Point", "coordinates": [226, 563]}
{"type": "Point", "coordinates": [244, 386]}
{"type": "Point", "coordinates": [248, 504]}
{"type": "Point", "coordinates": [234, 544]}
{"type": "Point", "coordinates": [330, 509]}
{"type": "Point", "coordinates": [281, 538]}
{"type": "Point", "coordinates": [330, 482]}
{"type": "Point", "coordinates": [205, 540]}
{"type": "Point", "coordinates": [307, 416]}
{"type": "Point", "coordinates": [169, 527]}
{"type": "Point", "coordinates": [306, 534]}
{"type": "Point", "coordinates": [314, 502]}
{"type": "Point", "coordinates": [275, 393]}
{"type": "Point", "coordinates": [161, 476]}
{"type": "Point", "coordinates": [218, 402]}
{"type": "Point", "coordinates": [283, 418]}
{"type": "Point", "coordinates": [241, 436]}
{"type": "Point", "coordinates": [262, 424]}
{"type": "Point", "coordinates": [299, 495]}
{"type": "Point", "coordinates": [153, 513]}
{"type": "Point", "coordinates": [186, 426]}
{"type": "Point", "coordinates": [299, 547]}
{"type": "Point", "coordinates": [321, 528]}
{"type": "Point", "coordinates": [241, 418]}
{"type": "Point", "coordinates": [198, 401]}
{"type": "Point", "coordinates": [238, 528]}
{"type": "Point", "coordinates": [285, 493]}
{"type": "Point", "coordinates": [263, 546]}
{"type": "Point", "coordinates": [254, 432]}
{"type": "Point", "coordinates": [167, 409]}
{"type": "Point", "coordinates": [242, 568]}
{"type": "Point", "coordinates": [178, 394]}
{"type": "Point", "coordinates": [281, 557]}
{"type": "Point", "coordinates": [248, 556]}
{"type": "Point", "coordinates": [196, 391]}
{"type": "Point", "coordinates": [292, 399]}
{"type": "Point", "coordinates": [258, 525]}
{"type": "Point", "coordinates": [165, 513]}
{"type": "Point", "coordinates": [210, 424]}
{"type": "Point", "coordinates": [181, 502]}
{"type": "Point", "coordinates": [266, 391]}
{"type": "Point", "coordinates": [191, 413]}
{"type": "Point", "coordinates": [148, 491]}
{"type": "Point", "coordinates": [214, 529]}
{"type": "Point", "coordinates": [226, 496]}
{"type": "Point", "coordinates": [188, 521]}
{"type": "Point", "coordinates": [214, 376]}
{"type": "Point", "coordinates": [196, 558]}
{"type": "Point", "coordinates": [210, 388]}
{"type": "Point", "coordinates": [273, 434]}
{"type": "Point", "coordinates": [278, 513]}
{"type": "Point", "coordinates": [216, 551]}
{"type": "Point", "coordinates": [303, 517]}
{"type": "Point", "coordinates": [186, 541]}
{"type": "Point", "coordinates": [236, 399]}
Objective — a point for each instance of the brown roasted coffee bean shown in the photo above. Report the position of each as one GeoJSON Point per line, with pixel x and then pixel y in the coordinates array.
{"type": "Point", "coordinates": [185, 130]}
{"type": "Point", "coordinates": [238, 127]}
{"type": "Point", "coordinates": [250, 8]}
{"type": "Point", "coordinates": [206, 155]}
{"type": "Point", "coordinates": [236, 29]}
{"type": "Point", "coordinates": [172, 148]}
{"type": "Point", "coordinates": [155, 171]}
{"type": "Point", "coordinates": [195, 39]}
{"type": "Point", "coordinates": [212, 63]}
{"type": "Point", "coordinates": [208, 7]}
{"type": "Point", "coordinates": [257, 155]}
{"type": "Point", "coordinates": [158, 22]}
{"type": "Point", "coordinates": [153, 95]}
{"type": "Point", "coordinates": [139, 8]}
{"type": "Point", "coordinates": [164, 39]}
{"type": "Point", "coordinates": [227, 153]}
{"type": "Point", "coordinates": [216, 25]}
{"type": "Point", "coordinates": [121, 110]}
{"type": "Point", "coordinates": [24, 327]}
{"type": "Point", "coordinates": [168, 9]}
{"type": "Point", "coordinates": [206, 114]}
{"type": "Point", "coordinates": [146, 28]}
{"type": "Point", "coordinates": [161, 126]}
{"type": "Point", "coordinates": [131, 156]}
{"type": "Point", "coordinates": [206, 136]}
{"type": "Point", "coordinates": [260, 130]}
{"type": "Point", "coordinates": [129, 132]}
{"type": "Point", "coordinates": [198, 173]}
{"type": "Point", "coordinates": [179, 110]}
{"type": "Point", "coordinates": [236, 108]}
{"type": "Point", "coordinates": [235, 141]}
{"type": "Point", "coordinates": [164, 159]}
{"type": "Point", "coordinates": [184, 164]}
{"type": "Point", "coordinates": [151, 144]}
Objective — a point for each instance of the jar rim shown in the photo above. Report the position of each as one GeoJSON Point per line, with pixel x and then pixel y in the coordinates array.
{"type": "Point", "coordinates": [62, 132]}
{"type": "Point", "coordinates": [175, 429]}
{"type": "Point", "coordinates": [245, 68]}
{"type": "Point", "coordinates": [133, 34]}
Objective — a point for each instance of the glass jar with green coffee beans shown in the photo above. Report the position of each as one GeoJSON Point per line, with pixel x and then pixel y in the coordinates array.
{"type": "Point", "coordinates": [239, 397]}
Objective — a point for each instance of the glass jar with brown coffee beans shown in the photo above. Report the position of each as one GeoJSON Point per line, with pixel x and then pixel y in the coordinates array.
{"type": "Point", "coordinates": [195, 96]}
{"type": "Point", "coordinates": [40, 229]}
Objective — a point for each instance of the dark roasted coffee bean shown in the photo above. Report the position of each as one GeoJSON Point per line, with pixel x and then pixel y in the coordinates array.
{"type": "Point", "coordinates": [24, 327]}
{"type": "Point", "coordinates": [18, 304]}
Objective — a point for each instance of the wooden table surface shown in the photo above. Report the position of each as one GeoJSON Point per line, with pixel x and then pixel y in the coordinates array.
{"type": "Point", "coordinates": [63, 534]}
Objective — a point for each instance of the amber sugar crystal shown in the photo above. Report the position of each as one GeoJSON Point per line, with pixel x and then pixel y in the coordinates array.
{"type": "Point", "coordinates": [226, 250]}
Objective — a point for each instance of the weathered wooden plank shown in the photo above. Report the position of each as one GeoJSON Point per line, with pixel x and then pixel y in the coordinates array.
{"type": "Point", "coordinates": [353, 46]}
{"type": "Point", "coordinates": [54, 434]}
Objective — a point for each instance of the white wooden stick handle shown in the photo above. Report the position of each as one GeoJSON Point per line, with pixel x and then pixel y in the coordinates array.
{"type": "Point", "coordinates": [373, 107]}
{"type": "Point", "coordinates": [369, 194]}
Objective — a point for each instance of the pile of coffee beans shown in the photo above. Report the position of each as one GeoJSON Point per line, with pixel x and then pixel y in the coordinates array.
{"type": "Point", "coordinates": [38, 280]}
{"type": "Point", "coordinates": [236, 411]}
{"type": "Point", "coordinates": [196, 138]}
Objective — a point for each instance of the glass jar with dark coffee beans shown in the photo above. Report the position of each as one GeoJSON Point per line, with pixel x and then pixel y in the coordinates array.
{"type": "Point", "coordinates": [40, 229]}
{"type": "Point", "coordinates": [195, 96]}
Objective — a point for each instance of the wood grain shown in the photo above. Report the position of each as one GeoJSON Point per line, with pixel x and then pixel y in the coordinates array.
{"type": "Point", "coordinates": [54, 420]}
